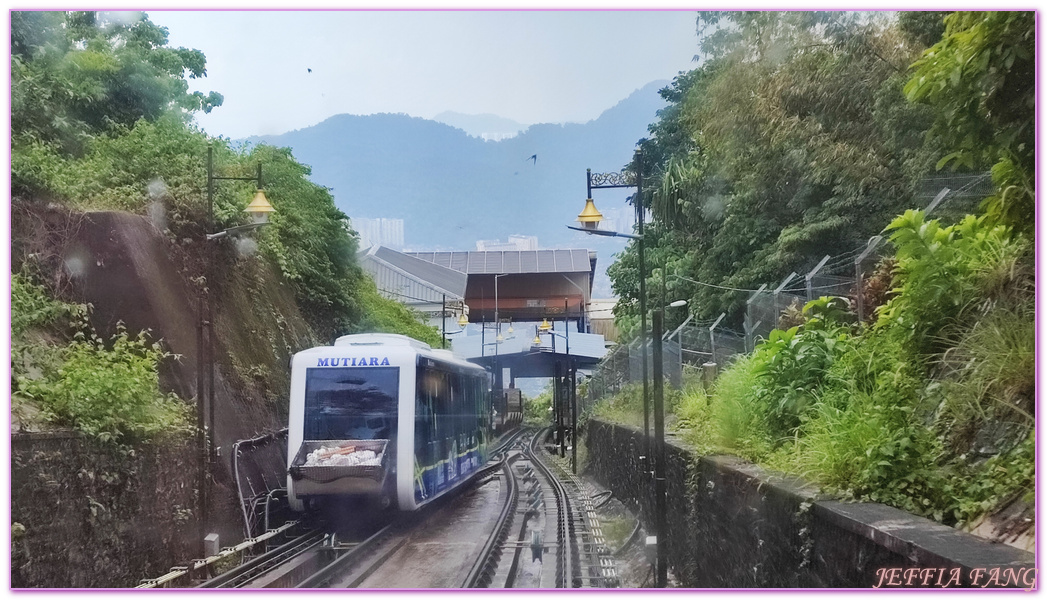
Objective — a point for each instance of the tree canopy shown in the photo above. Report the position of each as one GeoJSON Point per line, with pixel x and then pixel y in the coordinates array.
{"type": "Point", "coordinates": [980, 79]}
{"type": "Point", "coordinates": [802, 134]}
{"type": "Point", "coordinates": [101, 121]}
{"type": "Point", "coordinates": [75, 75]}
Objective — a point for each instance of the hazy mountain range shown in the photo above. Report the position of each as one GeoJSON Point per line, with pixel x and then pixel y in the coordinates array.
{"type": "Point", "coordinates": [485, 126]}
{"type": "Point", "coordinates": [452, 187]}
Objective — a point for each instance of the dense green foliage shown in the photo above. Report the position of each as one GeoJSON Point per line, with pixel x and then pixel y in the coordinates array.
{"type": "Point", "coordinates": [108, 389]}
{"type": "Point", "coordinates": [538, 410]}
{"type": "Point", "coordinates": [78, 75]}
{"type": "Point", "coordinates": [791, 141]}
{"type": "Point", "coordinates": [100, 121]}
{"type": "Point", "coordinates": [929, 406]}
{"type": "Point", "coordinates": [31, 307]}
{"type": "Point", "coordinates": [930, 410]}
{"type": "Point", "coordinates": [134, 151]}
{"type": "Point", "coordinates": [980, 80]}
{"type": "Point", "coordinates": [390, 316]}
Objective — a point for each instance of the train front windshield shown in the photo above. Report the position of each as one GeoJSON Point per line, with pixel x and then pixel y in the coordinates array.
{"type": "Point", "coordinates": [351, 403]}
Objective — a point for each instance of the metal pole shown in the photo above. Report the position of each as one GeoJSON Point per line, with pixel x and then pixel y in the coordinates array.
{"type": "Point", "coordinates": [777, 291]}
{"type": "Point", "coordinates": [859, 275]}
{"type": "Point", "coordinates": [810, 276]}
{"type": "Point", "coordinates": [497, 332]}
{"type": "Point", "coordinates": [643, 345]}
{"type": "Point", "coordinates": [557, 401]}
{"type": "Point", "coordinates": [443, 320]}
{"type": "Point", "coordinates": [573, 370]}
{"type": "Point", "coordinates": [712, 337]}
{"type": "Point", "coordinates": [201, 440]}
{"type": "Point", "coordinates": [209, 349]}
{"type": "Point", "coordinates": [661, 578]}
{"type": "Point", "coordinates": [562, 382]}
{"type": "Point", "coordinates": [210, 188]}
{"type": "Point", "coordinates": [566, 328]}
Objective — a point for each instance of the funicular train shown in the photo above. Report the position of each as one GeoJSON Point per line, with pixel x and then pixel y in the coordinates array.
{"type": "Point", "coordinates": [508, 409]}
{"type": "Point", "coordinates": [385, 418]}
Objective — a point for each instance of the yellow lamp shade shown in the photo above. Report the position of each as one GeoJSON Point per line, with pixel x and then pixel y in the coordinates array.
{"type": "Point", "coordinates": [463, 320]}
{"type": "Point", "coordinates": [537, 341]}
{"type": "Point", "coordinates": [546, 325]}
{"type": "Point", "coordinates": [259, 208]}
{"type": "Point", "coordinates": [589, 217]}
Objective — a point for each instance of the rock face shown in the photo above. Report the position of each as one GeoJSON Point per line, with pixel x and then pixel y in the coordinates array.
{"type": "Point", "coordinates": [131, 273]}
{"type": "Point", "coordinates": [733, 524]}
{"type": "Point", "coordinates": [90, 516]}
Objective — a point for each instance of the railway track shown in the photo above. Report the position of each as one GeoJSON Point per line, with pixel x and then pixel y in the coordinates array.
{"type": "Point", "coordinates": [549, 509]}
{"type": "Point", "coordinates": [564, 550]}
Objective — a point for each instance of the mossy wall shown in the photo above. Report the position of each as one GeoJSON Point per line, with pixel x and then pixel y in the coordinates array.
{"type": "Point", "coordinates": [90, 515]}
{"type": "Point", "coordinates": [733, 524]}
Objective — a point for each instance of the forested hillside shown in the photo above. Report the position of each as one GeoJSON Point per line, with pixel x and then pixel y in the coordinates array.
{"type": "Point", "coordinates": [452, 189]}
{"type": "Point", "coordinates": [101, 121]}
{"type": "Point", "coordinates": [802, 135]}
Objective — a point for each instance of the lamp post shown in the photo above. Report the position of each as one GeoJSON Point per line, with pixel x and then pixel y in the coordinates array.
{"type": "Point", "coordinates": [590, 219]}
{"type": "Point", "coordinates": [547, 329]}
{"type": "Point", "coordinates": [661, 528]}
{"type": "Point", "coordinates": [259, 209]}
{"type": "Point", "coordinates": [498, 336]}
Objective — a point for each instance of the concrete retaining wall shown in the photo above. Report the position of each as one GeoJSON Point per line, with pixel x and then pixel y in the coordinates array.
{"type": "Point", "coordinates": [732, 524]}
{"type": "Point", "coordinates": [89, 515]}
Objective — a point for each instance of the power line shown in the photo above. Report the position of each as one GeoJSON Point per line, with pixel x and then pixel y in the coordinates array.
{"type": "Point", "coordinates": [431, 301]}
{"type": "Point", "coordinates": [713, 285]}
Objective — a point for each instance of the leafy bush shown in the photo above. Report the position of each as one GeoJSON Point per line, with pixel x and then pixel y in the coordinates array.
{"type": "Point", "coordinates": [791, 365]}
{"type": "Point", "coordinates": [736, 425]}
{"type": "Point", "coordinates": [109, 391]}
{"type": "Point", "coordinates": [390, 316]}
{"type": "Point", "coordinates": [938, 271]}
{"type": "Point", "coordinates": [32, 307]}
{"type": "Point", "coordinates": [990, 375]}
{"type": "Point", "coordinates": [537, 411]}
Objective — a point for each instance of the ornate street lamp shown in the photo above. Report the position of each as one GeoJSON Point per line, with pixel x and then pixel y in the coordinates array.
{"type": "Point", "coordinates": [259, 209]}
{"type": "Point", "coordinates": [590, 219]}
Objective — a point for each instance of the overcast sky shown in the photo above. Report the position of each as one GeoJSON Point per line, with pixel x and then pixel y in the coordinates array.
{"type": "Point", "coordinates": [529, 66]}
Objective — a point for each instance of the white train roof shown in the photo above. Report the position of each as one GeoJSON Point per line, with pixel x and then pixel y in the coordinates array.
{"type": "Point", "coordinates": [374, 339]}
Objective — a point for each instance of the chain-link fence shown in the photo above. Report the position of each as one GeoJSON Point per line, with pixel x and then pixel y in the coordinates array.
{"type": "Point", "coordinates": [624, 364]}
{"type": "Point", "coordinates": [850, 275]}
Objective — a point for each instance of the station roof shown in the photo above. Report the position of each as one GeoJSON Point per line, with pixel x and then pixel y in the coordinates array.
{"type": "Point", "coordinates": [413, 278]}
{"type": "Point", "coordinates": [516, 353]}
{"type": "Point", "coordinates": [575, 260]}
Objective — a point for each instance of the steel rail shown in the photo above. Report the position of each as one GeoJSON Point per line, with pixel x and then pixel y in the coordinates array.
{"type": "Point", "coordinates": [598, 565]}
{"type": "Point", "coordinates": [483, 569]}
{"type": "Point", "coordinates": [566, 576]}
{"type": "Point", "coordinates": [264, 563]}
{"type": "Point", "coordinates": [203, 563]}
{"type": "Point", "coordinates": [351, 558]}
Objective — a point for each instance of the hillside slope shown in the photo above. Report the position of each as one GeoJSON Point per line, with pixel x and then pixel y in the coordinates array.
{"type": "Point", "coordinates": [452, 189]}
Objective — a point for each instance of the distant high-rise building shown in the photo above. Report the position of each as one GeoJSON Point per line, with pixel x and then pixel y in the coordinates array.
{"type": "Point", "coordinates": [380, 232]}
{"type": "Point", "coordinates": [516, 242]}
{"type": "Point", "coordinates": [620, 219]}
